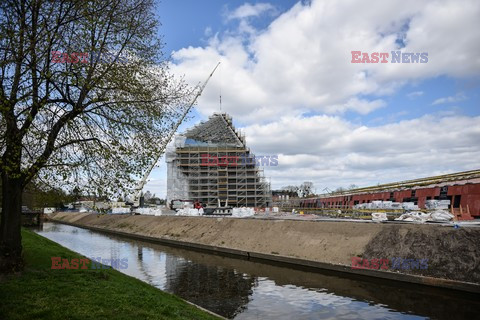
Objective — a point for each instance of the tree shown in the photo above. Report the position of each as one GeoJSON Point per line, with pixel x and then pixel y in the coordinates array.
{"type": "Point", "coordinates": [94, 122]}
{"type": "Point", "coordinates": [147, 195]}
{"type": "Point", "coordinates": [340, 190]}
{"type": "Point", "coordinates": [76, 193]}
{"type": "Point", "coordinates": [37, 197]}
{"type": "Point", "coordinates": [306, 189]}
{"type": "Point", "coordinates": [290, 189]}
{"type": "Point", "coordinates": [303, 190]}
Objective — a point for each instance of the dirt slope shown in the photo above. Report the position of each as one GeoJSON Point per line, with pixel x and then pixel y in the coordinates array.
{"type": "Point", "coordinates": [451, 253]}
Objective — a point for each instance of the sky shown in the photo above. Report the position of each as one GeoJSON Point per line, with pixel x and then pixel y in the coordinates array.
{"type": "Point", "coordinates": [287, 79]}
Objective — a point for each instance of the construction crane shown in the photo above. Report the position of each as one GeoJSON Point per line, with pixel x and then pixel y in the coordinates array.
{"type": "Point", "coordinates": [143, 181]}
{"type": "Point", "coordinates": [328, 190]}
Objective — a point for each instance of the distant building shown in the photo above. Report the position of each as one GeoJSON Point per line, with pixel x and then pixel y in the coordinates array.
{"type": "Point", "coordinates": [283, 195]}
{"type": "Point", "coordinates": [211, 163]}
{"type": "Point", "coordinates": [462, 189]}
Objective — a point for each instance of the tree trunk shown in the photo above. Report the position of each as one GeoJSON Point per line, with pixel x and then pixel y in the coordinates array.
{"type": "Point", "coordinates": [10, 225]}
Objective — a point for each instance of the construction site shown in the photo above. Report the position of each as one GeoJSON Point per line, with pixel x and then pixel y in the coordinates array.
{"type": "Point", "coordinates": [421, 233]}
{"type": "Point", "coordinates": [459, 193]}
{"type": "Point", "coordinates": [212, 171]}
{"type": "Point", "coordinates": [240, 160]}
{"type": "Point", "coordinates": [202, 165]}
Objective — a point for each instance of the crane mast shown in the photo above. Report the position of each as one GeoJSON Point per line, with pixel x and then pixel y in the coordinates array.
{"type": "Point", "coordinates": [143, 181]}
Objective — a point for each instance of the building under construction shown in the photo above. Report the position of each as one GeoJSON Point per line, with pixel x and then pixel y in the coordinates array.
{"type": "Point", "coordinates": [212, 164]}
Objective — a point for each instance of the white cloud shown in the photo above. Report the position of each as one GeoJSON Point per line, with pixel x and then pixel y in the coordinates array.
{"type": "Point", "coordinates": [415, 94]}
{"type": "Point", "coordinates": [451, 99]}
{"type": "Point", "coordinates": [208, 31]}
{"type": "Point", "coordinates": [333, 152]}
{"type": "Point", "coordinates": [248, 10]}
{"type": "Point", "coordinates": [361, 106]}
{"type": "Point", "coordinates": [301, 62]}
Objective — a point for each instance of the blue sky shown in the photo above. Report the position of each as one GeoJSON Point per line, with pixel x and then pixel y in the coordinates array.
{"type": "Point", "coordinates": [417, 99]}
{"type": "Point", "coordinates": [287, 80]}
{"type": "Point", "coordinates": [185, 22]}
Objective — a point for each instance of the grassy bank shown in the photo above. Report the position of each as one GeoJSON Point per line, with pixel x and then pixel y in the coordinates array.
{"type": "Point", "coordinates": [42, 293]}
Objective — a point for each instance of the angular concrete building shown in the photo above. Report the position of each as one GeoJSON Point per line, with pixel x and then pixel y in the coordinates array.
{"type": "Point", "coordinates": [212, 164]}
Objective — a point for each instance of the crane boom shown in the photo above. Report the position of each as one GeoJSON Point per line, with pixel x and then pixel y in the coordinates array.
{"type": "Point", "coordinates": [143, 181]}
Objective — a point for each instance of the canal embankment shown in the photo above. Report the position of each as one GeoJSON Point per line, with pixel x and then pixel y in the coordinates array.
{"type": "Point", "coordinates": [73, 289]}
{"type": "Point", "coordinates": [450, 256]}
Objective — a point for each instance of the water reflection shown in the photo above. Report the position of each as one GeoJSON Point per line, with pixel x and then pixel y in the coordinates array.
{"type": "Point", "coordinates": [212, 287]}
{"type": "Point", "coordinates": [242, 289]}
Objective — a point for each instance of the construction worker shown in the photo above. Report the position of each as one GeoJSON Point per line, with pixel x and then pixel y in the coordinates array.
{"type": "Point", "coordinates": [197, 204]}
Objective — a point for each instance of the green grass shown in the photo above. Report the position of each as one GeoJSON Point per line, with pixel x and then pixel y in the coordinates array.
{"type": "Point", "coordinates": [42, 293]}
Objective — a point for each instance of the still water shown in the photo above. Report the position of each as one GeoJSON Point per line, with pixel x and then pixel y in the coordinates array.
{"type": "Point", "coordinates": [242, 289]}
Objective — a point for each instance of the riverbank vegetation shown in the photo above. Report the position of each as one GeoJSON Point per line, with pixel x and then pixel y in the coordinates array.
{"type": "Point", "coordinates": [40, 292]}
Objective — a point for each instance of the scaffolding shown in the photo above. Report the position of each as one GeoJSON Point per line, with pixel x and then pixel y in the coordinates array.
{"type": "Point", "coordinates": [212, 164]}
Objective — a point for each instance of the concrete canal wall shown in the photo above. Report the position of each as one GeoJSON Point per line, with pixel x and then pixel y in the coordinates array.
{"type": "Point", "coordinates": [453, 254]}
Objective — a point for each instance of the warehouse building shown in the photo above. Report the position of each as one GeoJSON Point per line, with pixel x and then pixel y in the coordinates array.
{"type": "Point", "coordinates": [461, 189]}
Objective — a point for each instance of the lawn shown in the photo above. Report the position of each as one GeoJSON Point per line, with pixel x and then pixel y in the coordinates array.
{"type": "Point", "coordinates": [40, 292]}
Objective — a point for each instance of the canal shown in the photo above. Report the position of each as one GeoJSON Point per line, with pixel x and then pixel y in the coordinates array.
{"type": "Point", "coordinates": [242, 289]}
